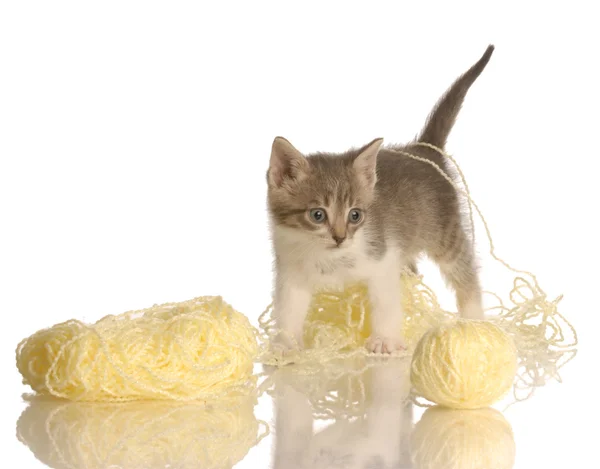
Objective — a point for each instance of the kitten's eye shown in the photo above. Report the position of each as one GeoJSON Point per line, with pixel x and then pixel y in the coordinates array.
{"type": "Point", "coordinates": [318, 215]}
{"type": "Point", "coordinates": [355, 216]}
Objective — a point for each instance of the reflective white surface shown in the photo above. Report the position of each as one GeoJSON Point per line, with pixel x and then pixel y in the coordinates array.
{"type": "Point", "coordinates": [356, 414]}
{"type": "Point", "coordinates": [134, 139]}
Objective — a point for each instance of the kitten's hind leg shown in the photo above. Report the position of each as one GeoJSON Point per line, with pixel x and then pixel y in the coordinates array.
{"type": "Point", "coordinates": [460, 272]}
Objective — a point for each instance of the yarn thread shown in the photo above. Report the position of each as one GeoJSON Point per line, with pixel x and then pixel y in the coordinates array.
{"type": "Point", "coordinates": [204, 349]}
{"type": "Point", "coordinates": [338, 322]}
{"type": "Point", "coordinates": [198, 349]}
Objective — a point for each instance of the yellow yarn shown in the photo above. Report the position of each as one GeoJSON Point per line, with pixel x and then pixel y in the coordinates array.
{"type": "Point", "coordinates": [198, 349]}
{"type": "Point", "coordinates": [462, 439]}
{"type": "Point", "coordinates": [339, 322]}
{"type": "Point", "coordinates": [348, 314]}
{"type": "Point", "coordinates": [140, 434]}
{"type": "Point", "coordinates": [545, 340]}
{"type": "Point", "coordinates": [340, 390]}
{"type": "Point", "coordinates": [464, 365]}
{"type": "Point", "coordinates": [344, 389]}
{"type": "Point", "coordinates": [203, 348]}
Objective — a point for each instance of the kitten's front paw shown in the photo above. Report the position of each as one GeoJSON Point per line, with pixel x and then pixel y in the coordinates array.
{"type": "Point", "coordinates": [284, 347]}
{"type": "Point", "coordinates": [288, 342]}
{"type": "Point", "coordinates": [377, 344]}
{"type": "Point", "coordinates": [279, 355]}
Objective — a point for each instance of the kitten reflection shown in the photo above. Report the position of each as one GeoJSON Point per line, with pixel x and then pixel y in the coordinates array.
{"type": "Point", "coordinates": [134, 435]}
{"type": "Point", "coordinates": [462, 439]}
{"type": "Point", "coordinates": [370, 412]}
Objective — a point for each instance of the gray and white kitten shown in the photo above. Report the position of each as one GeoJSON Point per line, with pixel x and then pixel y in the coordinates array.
{"type": "Point", "coordinates": [365, 215]}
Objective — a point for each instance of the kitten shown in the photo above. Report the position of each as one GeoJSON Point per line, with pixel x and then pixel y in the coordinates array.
{"type": "Point", "coordinates": [365, 215]}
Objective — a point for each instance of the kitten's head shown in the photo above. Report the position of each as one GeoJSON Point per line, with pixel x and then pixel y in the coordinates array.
{"type": "Point", "coordinates": [324, 197]}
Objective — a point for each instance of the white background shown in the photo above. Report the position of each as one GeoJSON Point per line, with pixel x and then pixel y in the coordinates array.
{"type": "Point", "coordinates": [135, 136]}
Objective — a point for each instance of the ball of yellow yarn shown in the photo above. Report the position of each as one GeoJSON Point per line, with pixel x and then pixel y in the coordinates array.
{"type": "Point", "coordinates": [197, 349]}
{"type": "Point", "coordinates": [462, 439]}
{"type": "Point", "coordinates": [464, 364]}
{"type": "Point", "coordinates": [140, 434]}
{"type": "Point", "coordinates": [342, 320]}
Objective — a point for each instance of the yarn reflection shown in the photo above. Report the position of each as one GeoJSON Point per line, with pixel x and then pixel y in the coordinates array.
{"type": "Point", "coordinates": [362, 417]}
{"type": "Point", "coordinates": [462, 439]}
{"type": "Point", "coordinates": [139, 435]}
{"type": "Point", "coordinates": [358, 418]}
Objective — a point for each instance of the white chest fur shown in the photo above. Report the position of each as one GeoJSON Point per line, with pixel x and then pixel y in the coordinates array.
{"type": "Point", "coordinates": [321, 265]}
{"type": "Point", "coordinates": [308, 263]}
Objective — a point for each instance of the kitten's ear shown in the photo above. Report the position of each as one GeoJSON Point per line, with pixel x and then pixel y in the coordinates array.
{"type": "Point", "coordinates": [365, 163]}
{"type": "Point", "coordinates": [286, 163]}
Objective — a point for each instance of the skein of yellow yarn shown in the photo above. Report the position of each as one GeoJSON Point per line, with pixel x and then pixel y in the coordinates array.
{"type": "Point", "coordinates": [140, 434]}
{"type": "Point", "coordinates": [464, 364]}
{"type": "Point", "coordinates": [197, 349]}
{"type": "Point", "coordinates": [462, 439]}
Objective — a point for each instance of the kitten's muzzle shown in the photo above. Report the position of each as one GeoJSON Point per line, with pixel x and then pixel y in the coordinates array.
{"type": "Point", "coordinates": [338, 239]}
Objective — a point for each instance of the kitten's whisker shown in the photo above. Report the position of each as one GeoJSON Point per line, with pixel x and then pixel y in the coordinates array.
{"type": "Point", "coordinates": [298, 247]}
{"type": "Point", "coordinates": [303, 253]}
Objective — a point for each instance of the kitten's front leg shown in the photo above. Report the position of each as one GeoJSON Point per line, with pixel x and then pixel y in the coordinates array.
{"type": "Point", "coordinates": [389, 413]}
{"type": "Point", "coordinates": [293, 427]}
{"type": "Point", "coordinates": [290, 307]}
{"type": "Point", "coordinates": [387, 315]}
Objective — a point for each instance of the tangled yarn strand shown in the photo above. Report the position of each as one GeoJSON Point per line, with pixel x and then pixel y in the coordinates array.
{"type": "Point", "coordinates": [472, 203]}
{"type": "Point", "coordinates": [338, 322]}
{"type": "Point", "coordinates": [538, 350]}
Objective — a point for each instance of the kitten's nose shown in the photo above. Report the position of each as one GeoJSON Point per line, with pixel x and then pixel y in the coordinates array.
{"type": "Point", "coordinates": [339, 239]}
